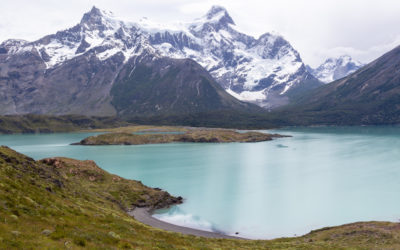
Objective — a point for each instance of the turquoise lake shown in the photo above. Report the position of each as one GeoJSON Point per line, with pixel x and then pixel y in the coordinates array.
{"type": "Point", "coordinates": [323, 176]}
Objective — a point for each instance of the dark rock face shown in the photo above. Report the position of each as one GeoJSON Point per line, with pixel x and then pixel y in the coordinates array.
{"type": "Point", "coordinates": [82, 47]}
{"type": "Point", "coordinates": [79, 86]}
{"type": "Point", "coordinates": [169, 86]}
{"type": "Point", "coordinates": [180, 40]}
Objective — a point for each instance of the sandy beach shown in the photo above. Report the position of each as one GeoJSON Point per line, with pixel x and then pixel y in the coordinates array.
{"type": "Point", "coordinates": [143, 215]}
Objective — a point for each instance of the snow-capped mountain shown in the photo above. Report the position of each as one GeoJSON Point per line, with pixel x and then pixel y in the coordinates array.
{"type": "Point", "coordinates": [263, 70]}
{"type": "Point", "coordinates": [266, 71]}
{"type": "Point", "coordinates": [98, 32]}
{"type": "Point", "coordinates": [335, 68]}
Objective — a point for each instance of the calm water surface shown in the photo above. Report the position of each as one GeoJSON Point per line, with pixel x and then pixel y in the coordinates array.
{"type": "Point", "coordinates": [319, 177]}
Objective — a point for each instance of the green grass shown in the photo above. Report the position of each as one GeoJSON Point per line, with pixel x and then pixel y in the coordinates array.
{"type": "Point", "coordinates": [65, 203]}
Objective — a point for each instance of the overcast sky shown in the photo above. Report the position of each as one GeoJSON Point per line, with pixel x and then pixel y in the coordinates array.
{"type": "Point", "coordinates": [364, 29]}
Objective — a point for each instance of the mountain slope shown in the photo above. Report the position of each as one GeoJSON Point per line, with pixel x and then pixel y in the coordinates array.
{"type": "Point", "coordinates": [371, 95]}
{"type": "Point", "coordinates": [335, 68]}
{"type": "Point", "coordinates": [74, 70]}
{"type": "Point", "coordinates": [170, 86]}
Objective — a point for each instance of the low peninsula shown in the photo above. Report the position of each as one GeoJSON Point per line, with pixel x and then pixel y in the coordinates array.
{"type": "Point", "coordinates": [169, 135]}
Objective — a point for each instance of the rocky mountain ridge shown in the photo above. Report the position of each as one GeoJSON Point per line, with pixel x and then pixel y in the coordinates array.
{"type": "Point", "coordinates": [335, 68]}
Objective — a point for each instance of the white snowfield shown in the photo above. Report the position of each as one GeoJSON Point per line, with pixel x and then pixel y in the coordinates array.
{"type": "Point", "coordinates": [248, 68]}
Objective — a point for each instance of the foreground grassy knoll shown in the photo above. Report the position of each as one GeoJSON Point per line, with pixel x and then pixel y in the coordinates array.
{"type": "Point", "coordinates": [65, 203]}
{"type": "Point", "coordinates": [125, 136]}
{"type": "Point", "coordinates": [51, 124]}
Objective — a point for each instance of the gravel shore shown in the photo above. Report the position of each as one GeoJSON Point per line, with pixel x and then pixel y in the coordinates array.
{"type": "Point", "coordinates": [143, 215]}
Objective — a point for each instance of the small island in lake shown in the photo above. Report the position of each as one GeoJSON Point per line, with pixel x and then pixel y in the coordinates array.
{"type": "Point", "coordinates": [132, 136]}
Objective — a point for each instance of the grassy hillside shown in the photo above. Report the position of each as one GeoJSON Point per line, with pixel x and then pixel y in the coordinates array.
{"type": "Point", "coordinates": [215, 119]}
{"type": "Point", "coordinates": [65, 203]}
{"type": "Point", "coordinates": [50, 124]}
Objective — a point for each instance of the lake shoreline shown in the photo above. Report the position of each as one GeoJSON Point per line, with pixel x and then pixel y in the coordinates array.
{"type": "Point", "coordinates": [322, 163]}
{"type": "Point", "coordinates": [143, 215]}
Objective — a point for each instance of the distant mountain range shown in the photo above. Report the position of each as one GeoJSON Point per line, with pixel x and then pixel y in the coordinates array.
{"type": "Point", "coordinates": [335, 68]}
{"type": "Point", "coordinates": [101, 66]}
{"type": "Point", "coordinates": [371, 95]}
{"type": "Point", "coordinates": [191, 73]}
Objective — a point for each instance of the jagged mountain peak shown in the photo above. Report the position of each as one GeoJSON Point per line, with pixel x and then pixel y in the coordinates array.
{"type": "Point", "coordinates": [99, 33]}
{"type": "Point", "coordinates": [220, 14]}
{"type": "Point", "coordinates": [215, 9]}
{"type": "Point", "coordinates": [97, 18]}
{"type": "Point", "coordinates": [272, 39]}
{"type": "Point", "coordinates": [342, 60]}
{"type": "Point", "coordinates": [94, 11]}
{"type": "Point", "coordinates": [217, 18]}
{"type": "Point", "coordinates": [335, 68]}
